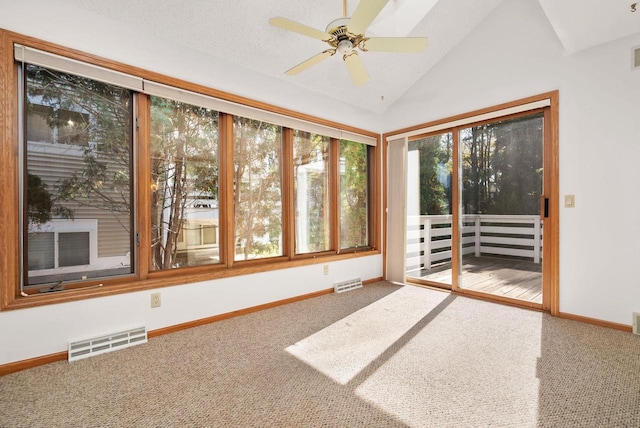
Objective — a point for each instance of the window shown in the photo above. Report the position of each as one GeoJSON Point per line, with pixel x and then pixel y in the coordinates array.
{"type": "Point", "coordinates": [130, 182]}
{"type": "Point", "coordinates": [257, 148]}
{"type": "Point", "coordinates": [354, 198]}
{"type": "Point", "coordinates": [78, 169]}
{"type": "Point", "coordinates": [184, 189]}
{"type": "Point", "coordinates": [311, 192]}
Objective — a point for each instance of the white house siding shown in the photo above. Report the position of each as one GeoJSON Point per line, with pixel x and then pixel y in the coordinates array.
{"type": "Point", "coordinates": [55, 162]}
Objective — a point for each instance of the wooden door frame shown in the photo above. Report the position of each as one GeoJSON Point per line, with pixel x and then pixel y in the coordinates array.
{"type": "Point", "coordinates": [550, 249]}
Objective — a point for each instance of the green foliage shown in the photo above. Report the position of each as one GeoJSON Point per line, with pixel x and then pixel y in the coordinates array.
{"type": "Point", "coordinates": [312, 150]}
{"type": "Point", "coordinates": [353, 195]}
{"type": "Point", "coordinates": [435, 173]}
{"type": "Point", "coordinates": [184, 167]}
{"type": "Point", "coordinates": [502, 167]}
{"type": "Point", "coordinates": [97, 116]}
{"type": "Point", "coordinates": [257, 180]}
{"type": "Point", "coordinates": [39, 203]}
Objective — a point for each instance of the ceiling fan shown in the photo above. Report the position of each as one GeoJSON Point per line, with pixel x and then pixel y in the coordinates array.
{"type": "Point", "coordinates": [346, 36]}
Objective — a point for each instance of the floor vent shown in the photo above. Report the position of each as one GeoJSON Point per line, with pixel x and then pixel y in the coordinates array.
{"type": "Point", "coordinates": [108, 343]}
{"type": "Point", "coordinates": [636, 323]}
{"type": "Point", "coordinates": [351, 284]}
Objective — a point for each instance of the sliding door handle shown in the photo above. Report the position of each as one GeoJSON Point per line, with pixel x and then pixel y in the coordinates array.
{"type": "Point", "coordinates": [544, 207]}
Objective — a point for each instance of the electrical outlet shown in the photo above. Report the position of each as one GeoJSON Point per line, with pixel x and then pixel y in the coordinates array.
{"type": "Point", "coordinates": [155, 300]}
{"type": "Point", "coordinates": [326, 269]}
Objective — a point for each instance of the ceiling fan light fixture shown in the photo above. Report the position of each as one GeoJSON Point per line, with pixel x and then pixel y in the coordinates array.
{"type": "Point", "coordinates": [345, 47]}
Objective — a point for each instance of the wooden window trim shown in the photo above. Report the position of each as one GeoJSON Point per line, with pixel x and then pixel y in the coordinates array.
{"type": "Point", "coordinates": [288, 206]}
{"type": "Point", "coordinates": [373, 201]}
{"type": "Point", "coordinates": [143, 279]}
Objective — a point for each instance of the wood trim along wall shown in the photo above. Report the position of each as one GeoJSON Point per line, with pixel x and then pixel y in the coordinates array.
{"type": "Point", "coordinates": [17, 366]}
{"type": "Point", "coordinates": [552, 241]}
{"type": "Point", "coordinates": [384, 145]}
{"type": "Point", "coordinates": [233, 314]}
{"type": "Point", "coordinates": [503, 106]}
{"type": "Point", "coordinates": [9, 227]}
{"type": "Point", "coordinates": [595, 321]}
{"type": "Point", "coordinates": [61, 356]}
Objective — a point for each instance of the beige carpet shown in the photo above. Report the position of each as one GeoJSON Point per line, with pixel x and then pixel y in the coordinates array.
{"type": "Point", "coordinates": [381, 356]}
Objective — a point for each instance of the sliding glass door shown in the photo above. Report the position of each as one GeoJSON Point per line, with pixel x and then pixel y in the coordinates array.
{"type": "Point", "coordinates": [500, 234]}
{"type": "Point", "coordinates": [474, 220]}
{"type": "Point", "coordinates": [430, 209]}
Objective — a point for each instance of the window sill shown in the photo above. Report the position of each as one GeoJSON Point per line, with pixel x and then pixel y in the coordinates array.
{"type": "Point", "coordinates": [115, 286]}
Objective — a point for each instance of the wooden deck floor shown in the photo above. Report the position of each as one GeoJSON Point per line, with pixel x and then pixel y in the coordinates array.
{"type": "Point", "coordinates": [499, 276]}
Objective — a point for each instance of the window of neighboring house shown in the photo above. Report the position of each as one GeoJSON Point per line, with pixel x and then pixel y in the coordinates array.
{"type": "Point", "coordinates": [185, 187]}
{"type": "Point", "coordinates": [47, 124]}
{"type": "Point", "coordinates": [354, 195]}
{"type": "Point", "coordinates": [78, 171]}
{"type": "Point", "coordinates": [257, 151]}
{"type": "Point", "coordinates": [311, 192]}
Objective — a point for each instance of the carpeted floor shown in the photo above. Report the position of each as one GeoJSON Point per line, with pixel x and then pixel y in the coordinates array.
{"type": "Point", "coordinates": [381, 356]}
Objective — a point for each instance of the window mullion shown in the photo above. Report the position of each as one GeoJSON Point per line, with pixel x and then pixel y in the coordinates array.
{"type": "Point", "coordinates": [142, 172]}
{"type": "Point", "coordinates": [334, 186]}
{"type": "Point", "coordinates": [226, 211]}
{"type": "Point", "coordinates": [288, 209]}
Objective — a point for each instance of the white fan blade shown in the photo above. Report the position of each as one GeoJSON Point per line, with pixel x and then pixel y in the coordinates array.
{"type": "Point", "coordinates": [356, 69]}
{"type": "Point", "coordinates": [394, 44]}
{"type": "Point", "coordinates": [364, 15]}
{"type": "Point", "coordinates": [299, 28]}
{"type": "Point", "coordinates": [310, 62]}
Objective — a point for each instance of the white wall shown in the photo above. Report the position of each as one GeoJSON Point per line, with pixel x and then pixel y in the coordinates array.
{"type": "Point", "coordinates": [515, 53]}
{"type": "Point", "coordinates": [28, 333]}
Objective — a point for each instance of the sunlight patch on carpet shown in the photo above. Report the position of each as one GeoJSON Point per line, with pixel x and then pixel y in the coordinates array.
{"type": "Point", "coordinates": [483, 358]}
{"type": "Point", "coordinates": [343, 349]}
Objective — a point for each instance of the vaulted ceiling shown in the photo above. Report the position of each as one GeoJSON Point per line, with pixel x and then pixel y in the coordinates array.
{"type": "Point", "coordinates": [238, 31]}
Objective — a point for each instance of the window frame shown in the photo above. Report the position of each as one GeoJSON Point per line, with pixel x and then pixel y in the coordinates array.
{"type": "Point", "coordinates": [142, 277]}
{"type": "Point", "coordinates": [66, 148]}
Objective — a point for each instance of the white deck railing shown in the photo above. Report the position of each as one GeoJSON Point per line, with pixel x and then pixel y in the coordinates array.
{"type": "Point", "coordinates": [429, 238]}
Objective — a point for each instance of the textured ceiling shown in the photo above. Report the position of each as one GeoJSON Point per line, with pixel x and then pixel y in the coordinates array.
{"type": "Point", "coordinates": [238, 31]}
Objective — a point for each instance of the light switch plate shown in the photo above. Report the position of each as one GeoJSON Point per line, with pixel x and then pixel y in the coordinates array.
{"type": "Point", "coordinates": [569, 201]}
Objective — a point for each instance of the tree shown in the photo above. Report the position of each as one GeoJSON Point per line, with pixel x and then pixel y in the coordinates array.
{"type": "Point", "coordinates": [353, 195]}
{"type": "Point", "coordinates": [311, 152]}
{"type": "Point", "coordinates": [258, 190]}
{"type": "Point", "coordinates": [518, 164]}
{"type": "Point", "coordinates": [93, 115]}
{"type": "Point", "coordinates": [39, 202]}
{"type": "Point", "coordinates": [184, 168]}
{"type": "Point", "coordinates": [502, 167]}
{"type": "Point", "coordinates": [435, 165]}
